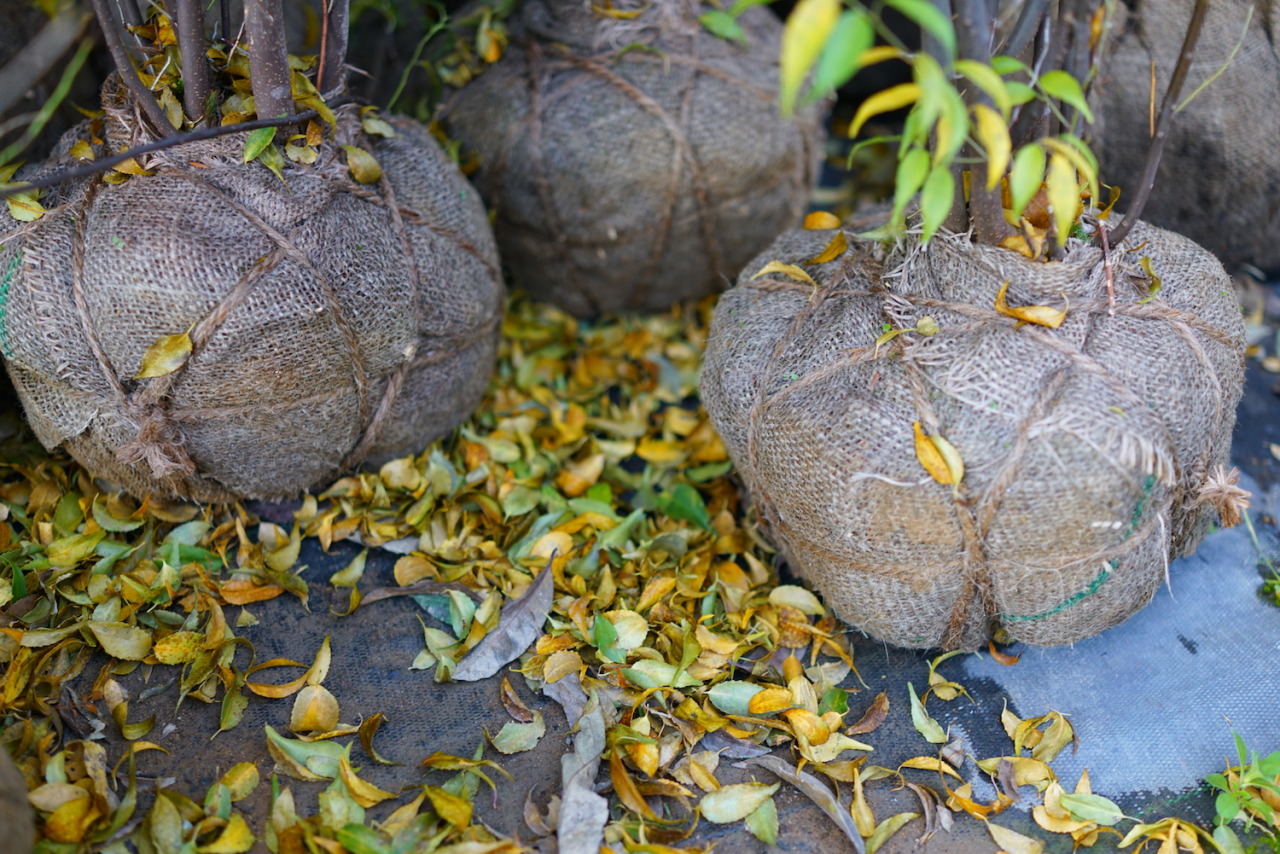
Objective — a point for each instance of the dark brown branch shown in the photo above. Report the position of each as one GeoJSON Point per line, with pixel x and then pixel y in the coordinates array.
{"type": "Point", "coordinates": [333, 67]}
{"type": "Point", "coordinates": [96, 166]}
{"type": "Point", "coordinates": [1025, 28]}
{"type": "Point", "coordinates": [189, 21]}
{"type": "Point", "coordinates": [128, 73]}
{"type": "Point", "coordinates": [1156, 148]}
{"type": "Point", "coordinates": [39, 56]}
{"type": "Point", "coordinates": [269, 73]}
{"type": "Point", "coordinates": [975, 32]}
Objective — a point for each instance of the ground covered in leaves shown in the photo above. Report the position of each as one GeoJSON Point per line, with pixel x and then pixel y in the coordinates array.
{"type": "Point", "coordinates": [578, 541]}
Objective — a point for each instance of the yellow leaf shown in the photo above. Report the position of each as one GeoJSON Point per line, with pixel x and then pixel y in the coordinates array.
{"type": "Point", "coordinates": [122, 641]}
{"type": "Point", "coordinates": [734, 803]}
{"type": "Point", "coordinates": [888, 828]}
{"type": "Point", "coordinates": [1014, 842]}
{"type": "Point", "coordinates": [806, 724]}
{"type": "Point", "coordinates": [131, 167]}
{"type": "Point", "coordinates": [23, 206]}
{"type": "Point", "coordinates": [794, 596]}
{"type": "Point", "coordinates": [449, 807]}
{"type": "Point", "coordinates": [165, 355]}
{"type": "Point", "coordinates": [71, 821]}
{"type": "Point", "coordinates": [885, 101]}
{"type": "Point", "coordinates": [821, 220]}
{"type": "Point", "coordinates": [938, 457]}
{"type": "Point", "coordinates": [363, 165]}
{"type": "Point", "coordinates": [807, 29]}
{"type": "Point", "coordinates": [241, 780]}
{"type": "Point", "coordinates": [661, 451]}
{"type": "Point", "coordinates": [362, 792]}
{"type": "Point", "coordinates": [1026, 770]}
{"type": "Point", "coordinates": [993, 135]}
{"type": "Point", "coordinates": [770, 701]}
{"type": "Point", "coordinates": [837, 247]}
{"type": "Point", "coordinates": [1063, 187]}
{"type": "Point", "coordinates": [235, 838]}
{"type": "Point", "coordinates": [863, 817]}
{"type": "Point", "coordinates": [789, 270]}
{"type": "Point", "coordinates": [930, 763]}
{"type": "Point", "coordinates": [1041, 315]}
{"type": "Point", "coordinates": [178, 648]}
{"type": "Point", "coordinates": [609, 11]}
{"type": "Point", "coordinates": [314, 710]}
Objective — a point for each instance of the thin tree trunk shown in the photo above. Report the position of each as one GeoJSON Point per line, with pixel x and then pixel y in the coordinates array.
{"type": "Point", "coordinates": [333, 71]}
{"type": "Point", "coordinates": [269, 73]}
{"type": "Point", "coordinates": [189, 21]}
{"type": "Point", "coordinates": [1156, 149]}
{"type": "Point", "coordinates": [128, 73]}
{"type": "Point", "coordinates": [975, 32]}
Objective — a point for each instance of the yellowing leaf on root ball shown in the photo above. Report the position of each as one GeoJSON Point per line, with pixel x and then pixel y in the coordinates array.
{"type": "Point", "coordinates": [314, 710]}
{"type": "Point", "coordinates": [734, 803]}
{"type": "Point", "coordinates": [938, 457]}
{"type": "Point", "coordinates": [837, 247]}
{"type": "Point", "coordinates": [821, 220]}
{"type": "Point", "coordinates": [1040, 315]}
{"type": "Point", "coordinates": [363, 165]}
{"type": "Point", "coordinates": [164, 356]}
{"type": "Point", "coordinates": [791, 271]}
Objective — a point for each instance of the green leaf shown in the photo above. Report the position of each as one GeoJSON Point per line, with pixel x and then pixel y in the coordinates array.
{"type": "Point", "coordinates": [1005, 65]}
{"type": "Point", "coordinates": [363, 165]}
{"type": "Point", "coordinates": [359, 839]}
{"type": "Point", "coordinates": [1026, 176]}
{"type": "Point", "coordinates": [931, 19]}
{"type": "Point", "coordinates": [685, 503]}
{"type": "Point", "coordinates": [722, 24]}
{"type": "Point", "coordinates": [735, 802]}
{"type": "Point", "coordinates": [1061, 85]}
{"type": "Point", "coordinates": [733, 697]}
{"type": "Point", "coordinates": [1226, 840]}
{"type": "Point", "coordinates": [887, 828]}
{"type": "Point", "coordinates": [925, 725]}
{"type": "Point", "coordinates": [256, 142]}
{"type": "Point", "coordinates": [1088, 807]}
{"type": "Point", "coordinates": [935, 199]}
{"type": "Point", "coordinates": [1019, 93]}
{"type": "Point", "coordinates": [807, 30]}
{"type": "Point", "coordinates": [839, 60]}
{"type": "Point", "coordinates": [518, 738]}
{"type": "Point", "coordinates": [1227, 806]}
{"type": "Point", "coordinates": [986, 79]}
{"type": "Point", "coordinates": [912, 171]}
{"type": "Point", "coordinates": [763, 822]}
{"type": "Point", "coordinates": [605, 638]}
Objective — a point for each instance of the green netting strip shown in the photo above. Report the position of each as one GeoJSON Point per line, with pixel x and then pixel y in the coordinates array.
{"type": "Point", "coordinates": [4, 304]}
{"type": "Point", "coordinates": [1134, 520]}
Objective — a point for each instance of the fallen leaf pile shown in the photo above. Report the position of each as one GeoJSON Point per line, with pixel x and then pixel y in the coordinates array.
{"type": "Point", "coordinates": [579, 535]}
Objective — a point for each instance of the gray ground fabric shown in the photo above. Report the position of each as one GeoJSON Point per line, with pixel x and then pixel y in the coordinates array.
{"type": "Point", "coordinates": [333, 322]}
{"type": "Point", "coordinates": [634, 162]}
{"type": "Point", "coordinates": [1089, 449]}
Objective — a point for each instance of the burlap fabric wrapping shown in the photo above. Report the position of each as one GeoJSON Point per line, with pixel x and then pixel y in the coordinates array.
{"type": "Point", "coordinates": [1219, 176]}
{"type": "Point", "coordinates": [1086, 448]}
{"type": "Point", "coordinates": [634, 162]}
{"type": "Point", "coordinates": [331, 322]}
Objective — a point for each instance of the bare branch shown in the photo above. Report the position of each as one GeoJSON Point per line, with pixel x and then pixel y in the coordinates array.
{"type": "Point", "coordinates": [975, 32]}
{"type": "Point", "coordinates": [128, 73]}
{"type": "Point", "coordinates": [1156, 148]}
{"type": "Point", "coordinates": [332, 77]}
{"type": "Point", "coordinates": [38, 56]}
{"type": "Point", "coordinates": [96, 166]}
{"type": "Point", "coordinates": [189, 21]}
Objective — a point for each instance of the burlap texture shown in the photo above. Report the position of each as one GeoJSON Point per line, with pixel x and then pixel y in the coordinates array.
{"type": "Point", "coordinates": [1221, 167]}
{"type": "Point", "coordinates": [332, 322]}
{"type": "Point", "coordinates": [634, 162]}
{"type": "Point", "coordinates": [1085, 447]}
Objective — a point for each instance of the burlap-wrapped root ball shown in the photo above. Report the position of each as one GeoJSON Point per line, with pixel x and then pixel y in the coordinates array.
{"type": "Point", "coordinates": [1219, 175]}
{"type": "Point", "coordinates": [331, 322]}
{"type": "Point", "coordinates": [1089, 451]}
{"type": "Point", "coordinates": [634, 161]}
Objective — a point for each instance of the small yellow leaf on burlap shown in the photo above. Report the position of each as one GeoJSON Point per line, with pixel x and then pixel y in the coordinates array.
{"type": "Point", "coordinates": [363, 165]}
{"type": "Point", "coordinates": [791, 271]}
{"type": "Point", "coordinates": [1041, 315]}
{"type": "Point", "coordinates": [938, 456]}
{"type": "Point", "coordinates": [165, 355]}
{"type": "Point", "coordinates": [821, 220]}
{"type": "Point", "coordinates": [837, 247]}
